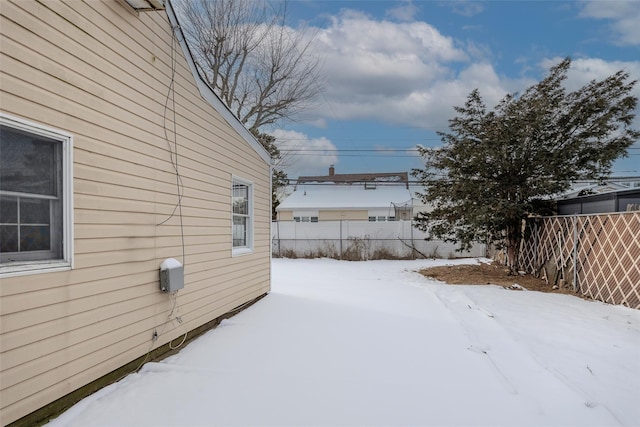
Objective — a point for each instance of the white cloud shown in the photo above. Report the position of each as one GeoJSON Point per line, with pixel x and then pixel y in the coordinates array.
{"type": "Point", "coordinates": [302, 155]}
{"type": "Point", "coordinates": [584, 70]}
{"type": "Point", "coordinates": [404, 12]}
{"type": "Point", "coordinates": [410, 74]}
{"type": "Point", "coordinates": [465, 7]}
{"type": "Point", "coordinates": [403, 73]}
{"type": "Point", "coordinates": [624, 17]}
{"type": "Point", "coordinates": [381, 69]}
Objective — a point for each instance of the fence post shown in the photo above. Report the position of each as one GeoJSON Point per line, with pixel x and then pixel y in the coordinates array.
{"type": "Point", "coordinates": [413, 243]}
{"type": "Point", "coordinates": [278, 233]}
{"type": "Point", "coordinates": [534, 266]}
{"type": "Point", "coordinates": [575, 253]}
{"type": "Point", "coordinates": [340, 239]}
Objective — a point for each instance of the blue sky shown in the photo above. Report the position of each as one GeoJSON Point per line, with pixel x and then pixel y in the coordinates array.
{"type": "Point", "coordinates": [395, 69]}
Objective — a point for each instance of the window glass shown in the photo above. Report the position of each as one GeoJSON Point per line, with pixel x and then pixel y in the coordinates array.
{"type": "Point", "coordinates": [240, 199]}
{"type": "Point", "coordinates": [28, 163]}
{"type": "Point", "coordinates": [35, 238]}
{"type": "Point", "coordinates": [35, 211]}
{"type": "Point", "coordinates": [8, 210]}
{"type": "Point", "coordinates": [305, 218]}
{"type": "Point", "coordinates": [8, 238]}
{"type": "Point", "coordinates": [241, 232]}
{"type": "Point", "coordinates": [31, 205]}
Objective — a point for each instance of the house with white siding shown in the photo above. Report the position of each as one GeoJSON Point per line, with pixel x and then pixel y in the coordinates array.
{"type": "Point", "coordinates": [116, 160]}
{"type": "Point", "coordinates": [374, 197]}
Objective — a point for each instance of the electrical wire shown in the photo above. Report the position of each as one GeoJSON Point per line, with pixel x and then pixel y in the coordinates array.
{"type": "Point", "coordinates": [173, 156]}
{"type": "Point", "coordinates": [170, 317]}
{"type": "Point", "coordinates": [173, 151]}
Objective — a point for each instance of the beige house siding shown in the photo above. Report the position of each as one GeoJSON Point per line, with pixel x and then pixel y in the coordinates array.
{"type": "Point", "coordinates": [330, 215]}
{"type": "Point", "coordinates": [336, 215]}
{"type": "Point", "coordinates": [285, 216]}
{"type": "Point", "coordinates": [103, 73]}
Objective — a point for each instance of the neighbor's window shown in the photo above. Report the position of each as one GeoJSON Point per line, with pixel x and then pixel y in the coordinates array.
{"type": "Point", "coordinates": [242, 214]}
{"type": "Point", "coordinates": [381, 218]}
{"type": "Point", "coordinates": [305, 218]}
{"type": "Point", "coordinates": [34, 216]}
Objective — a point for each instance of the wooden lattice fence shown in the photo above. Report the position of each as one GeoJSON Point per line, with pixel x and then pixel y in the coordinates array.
{"type": "Point", "coordinates": [597, 255]}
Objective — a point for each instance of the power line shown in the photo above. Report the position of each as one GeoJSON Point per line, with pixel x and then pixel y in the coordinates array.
{"type": "Point", "coordinates": [365, 152]}
{"type": "Point", "coordinates": [348, 149]}
{"type": "Point", "coordinates": [295, 181]}
{"type": "Point", "coordinates": [358, 139]}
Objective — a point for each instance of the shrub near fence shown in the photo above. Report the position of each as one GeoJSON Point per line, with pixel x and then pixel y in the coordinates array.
{"type": "Point", "coordinates": [597, 255]}
{"type": "Point", "coordinates": [360, 240]}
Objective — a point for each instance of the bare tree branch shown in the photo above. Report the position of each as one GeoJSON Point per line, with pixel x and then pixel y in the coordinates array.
{"type": "Point", "coordinates": [261, 69]}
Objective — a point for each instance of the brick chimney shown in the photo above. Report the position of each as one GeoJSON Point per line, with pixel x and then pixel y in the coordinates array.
{"type": "Point", "coordinates": [332, 170]}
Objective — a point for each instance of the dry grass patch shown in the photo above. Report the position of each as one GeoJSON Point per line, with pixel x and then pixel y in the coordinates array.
{"type": "Point", "coordinates": [488, 274]}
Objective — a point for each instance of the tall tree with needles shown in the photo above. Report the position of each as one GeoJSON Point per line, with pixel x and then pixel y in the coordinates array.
{"type": "Point", "coordinates": [497, 167]}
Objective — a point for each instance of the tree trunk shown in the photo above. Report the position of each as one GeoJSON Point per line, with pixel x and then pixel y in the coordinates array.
{"type": "Point", "coordinates": [512, 243]}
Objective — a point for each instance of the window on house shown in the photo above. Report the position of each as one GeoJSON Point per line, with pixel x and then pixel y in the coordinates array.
{"type": "Point", "coordinates": [242, 215]}
{"type": "Point", "coordinates": [305, 218]}
{"type": "Point", "coordinates": [35, 193]}
{"type": "Point", "coordinates": [381, 218]}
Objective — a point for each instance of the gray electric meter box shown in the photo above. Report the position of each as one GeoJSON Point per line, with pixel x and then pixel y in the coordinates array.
{"type": "Point", "coordinates": [171, 275]}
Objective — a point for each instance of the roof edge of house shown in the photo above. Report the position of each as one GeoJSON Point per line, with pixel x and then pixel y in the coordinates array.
{"type": "Point", "coordinates": [607, 195]}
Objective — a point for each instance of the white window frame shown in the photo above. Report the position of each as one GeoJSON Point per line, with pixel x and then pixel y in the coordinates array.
{"type": "Point", "coordinates": [17, 268]}
{"type": "Point", "coordinates": [248, 248]}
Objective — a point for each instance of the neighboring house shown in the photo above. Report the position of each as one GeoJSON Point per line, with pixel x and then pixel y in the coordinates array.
{"type": "Point", "coordinates": [595, 200]}
{"type": "Point", "coordinates": [357, 197]}
{"type": "Point", "coordinates": [397, 178]}
{"type": "Point", "coordinates": [115, 156]}
{"type": "Point", "coordinates": [586, 189]}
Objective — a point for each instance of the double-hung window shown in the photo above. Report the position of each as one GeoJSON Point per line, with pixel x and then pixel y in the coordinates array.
{"type": "Point", "coordinates": [242, 206]}
{"type": "Point", "coordinates": [35, 197]}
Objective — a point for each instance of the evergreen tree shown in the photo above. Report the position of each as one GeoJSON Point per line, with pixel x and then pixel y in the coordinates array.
{"type": "Point", "coordinates": [278, 176]}
{"type": "Point", "coordinates": [498, 167]}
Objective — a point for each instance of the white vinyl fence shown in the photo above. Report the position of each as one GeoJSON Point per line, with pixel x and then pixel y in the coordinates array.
{"type": "Point", "coordinates": [360, 240]}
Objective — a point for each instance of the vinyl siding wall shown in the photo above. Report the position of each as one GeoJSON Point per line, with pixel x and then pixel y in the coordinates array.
{"type": "Point", "coordinates": [336, 215]}
{"type": "Point", "coordinates": [327, 215]}
{"type": "Point", "coordinates": [102, 72]}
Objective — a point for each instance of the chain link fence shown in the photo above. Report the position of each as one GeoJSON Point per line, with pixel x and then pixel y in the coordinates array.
{"type": "Point", "coordinates": [360, 240]}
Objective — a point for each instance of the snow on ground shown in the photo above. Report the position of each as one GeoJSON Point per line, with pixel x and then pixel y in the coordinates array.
{"type": "Point", "coordinates": [375, 343]}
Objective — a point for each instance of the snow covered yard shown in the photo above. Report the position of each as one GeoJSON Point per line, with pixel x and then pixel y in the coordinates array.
{"type": "Point", "coordinates": [375, 343]}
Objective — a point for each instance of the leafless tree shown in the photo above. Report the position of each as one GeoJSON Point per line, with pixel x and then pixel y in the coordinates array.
{"type": "Point", "coordinates": [263, 70]}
